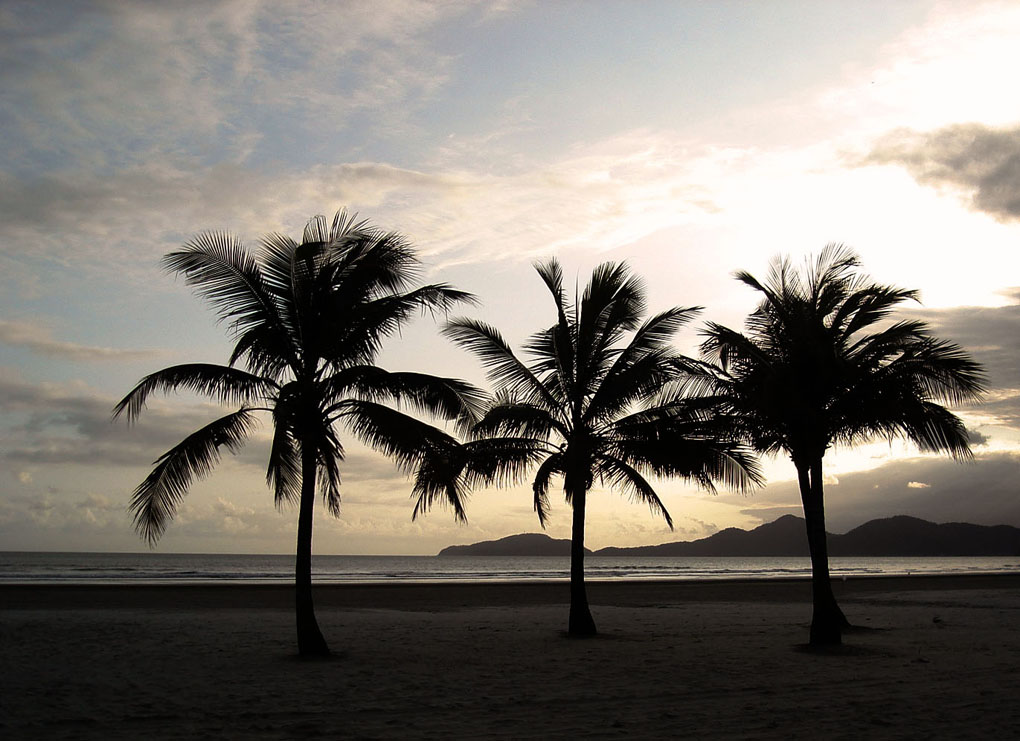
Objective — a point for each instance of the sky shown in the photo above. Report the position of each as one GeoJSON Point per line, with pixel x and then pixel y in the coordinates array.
{"type": "Point", "coordinates": [688, 139]}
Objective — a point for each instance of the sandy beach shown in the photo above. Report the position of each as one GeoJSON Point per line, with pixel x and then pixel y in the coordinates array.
{"type": "Point", "coordinates": [939, 658]}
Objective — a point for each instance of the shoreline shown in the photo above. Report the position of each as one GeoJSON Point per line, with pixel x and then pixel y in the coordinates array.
{"type": "Point", "coordinates": [436, 596]}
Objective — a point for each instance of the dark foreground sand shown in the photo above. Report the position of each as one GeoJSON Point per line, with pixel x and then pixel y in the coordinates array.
{"type": "Point", "coordinates": [940, 659]}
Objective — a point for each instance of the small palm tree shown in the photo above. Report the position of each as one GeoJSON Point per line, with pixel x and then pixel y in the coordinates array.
{"type": "Point", "coordinates": [819, 365]}
{"type": "Point", "coordinates": [308, 320]}
{"type": "Point", "coordinates": [588, 408]}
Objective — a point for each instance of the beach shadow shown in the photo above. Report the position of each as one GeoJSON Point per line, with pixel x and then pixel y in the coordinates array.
{"type": "Point", "coordinates": [865, 629]}
{"type": "Point", "coordinates": [841, 649]}
{"type": "Point", "coordinates": [593, 637]}
{"type": "Point", "coordinates": [333, 656]}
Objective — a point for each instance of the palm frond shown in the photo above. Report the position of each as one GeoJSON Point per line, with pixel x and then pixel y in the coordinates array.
{"type": "Point", "coordinates": [867, 307]}
{"type": "Point", "coordinates": [873, 350]}
{"type": "Point", "coordinates": [555, 349]}
{"type": "Point", "coordinates": [506, 418]}
{"type": "Point", "coordinates": [451, 469]}
{"type": "Point", "coordinates": [612, 305]}
{"type": "Point", "coordinates": [284, 472]}
{"type": "Point", "coordinates": [506, 372]}
{"type": "Point", "coordinates": [276, 258]}
{"type": "Point", "coordinates": [551, 466]}
{"type": "Point", "coordinates": [406, 440]}
{"type": "Point", "coordinates": [636, 380]}
{"type": "Point", "coordinates": [618, 474]}
{"type": "Point", "coordinates": [363, 322]}
{"type": "Point", "coordinates": [677, 453]}
{"type": "Point", "coordinates": [728, 347]}
{"type": "Point", "coordinates": [229, 277]}
{"type": "Point", "coordinates": [947, 373]}
{"type": "Point", "coordinates": [219, 382]}
{"type": "Point", "coordinates": [330, 453]}
{"type": "Point", "coordinates": [446, 398]}
{"type": "Point", "coordinates": [439, 478]}
{"type": "Point", "coordinates": [366, 256]}
{"type": "Point", "coordinates": [260, 350]}
{"type": "Point", "coordinates": [155, 501]}
{"type": "Point", "coordinates": [502, 461]}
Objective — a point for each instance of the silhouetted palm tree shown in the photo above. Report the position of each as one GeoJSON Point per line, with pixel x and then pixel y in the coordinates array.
{"type": "Point", "coordinates": [819, 366]}
{"type": "Point", "coordinates": [589, 408]}
{"type": "Point", "coordinates": [308, 320]}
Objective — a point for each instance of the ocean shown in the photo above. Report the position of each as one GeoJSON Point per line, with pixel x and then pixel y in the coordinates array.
{"type": "Point", "coordinates": [180, 568]}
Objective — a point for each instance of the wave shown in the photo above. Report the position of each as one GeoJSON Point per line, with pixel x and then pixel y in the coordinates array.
{"type": "Point", "coordinates": [155, 568]}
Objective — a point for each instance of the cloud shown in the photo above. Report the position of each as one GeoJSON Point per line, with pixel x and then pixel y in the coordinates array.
{"type": "Point", "coordinates": [100, 502]}
{"type": "Point", "coordinates": [38, 338]}
{"type": "Point", "coordinates": [192, 94]}
{"type": "Point", "coordinates": [237, 79]}
{"type": "Point", "coordinates": [616, 192]}
{"type": "Point", "coordinates": [70, 424]}
{"type": "Point", "coordinates": [989, 335]}
{"type": "Point", "coordinates": [982, 492]}
{"type": "Point", "coordinates": [49, 423]}
{"type": "Point", "coordinates": [981, 161]}
{"type": "Point", "coordinates": [976, 438]}
{"type": "Point", "coordinates": [62, 434]}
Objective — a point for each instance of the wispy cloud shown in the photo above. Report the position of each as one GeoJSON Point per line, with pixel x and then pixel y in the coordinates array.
{"type": "Point", "coordinates": [89, 87]}
{"type": "Point", "coordinates": [956, 61]}
{"type": "Point", "coordinates": [614, 194]}
{"type": "Point", "coordinates": [468, 202]}
{"type": "Point", "coordinates": [39, 339]}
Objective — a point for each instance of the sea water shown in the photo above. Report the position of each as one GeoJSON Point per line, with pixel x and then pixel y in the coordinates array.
{"type": "Point", "coordinates": [182, 568]}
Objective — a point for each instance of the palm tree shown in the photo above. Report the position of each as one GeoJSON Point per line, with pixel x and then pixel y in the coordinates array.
{"type": "Point", "coordinates": [307, 321]}
{"type": "Point", "coordinates": [821, 365]}
{"type": "Point", "coordinates": [589, 408]}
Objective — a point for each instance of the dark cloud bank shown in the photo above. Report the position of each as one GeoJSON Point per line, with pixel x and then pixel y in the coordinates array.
{"type": "Point", "coordinates": [45, 425]}
{"type": "Point", "coordinates": [990, 335]}
{"type": "Point", "coordinates": [981, 160]}
{"type": "Point", "coordinates": [983, 492]}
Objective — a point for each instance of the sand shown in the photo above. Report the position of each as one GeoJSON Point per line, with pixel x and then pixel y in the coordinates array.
{"type": "Point", "coordinates": [940, 659]}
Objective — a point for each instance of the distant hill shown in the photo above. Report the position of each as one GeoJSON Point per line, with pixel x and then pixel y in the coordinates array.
{"type": "Point", "coordinates": [892, 536]}
{"type": "Point", "coordinates": [526, 544]}
{"type": "Point", "coordinates": [784, 537]}
{"type": "Point", "coordinates": [909, 536]}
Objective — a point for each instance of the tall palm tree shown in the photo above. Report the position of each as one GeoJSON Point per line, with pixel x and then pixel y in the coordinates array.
{"type": "Point", "coordinates": [307, 320]}
{"type": "Point", "coordinates": [589, 408]}
{"type": "Point", "coordinates": [821, 364]}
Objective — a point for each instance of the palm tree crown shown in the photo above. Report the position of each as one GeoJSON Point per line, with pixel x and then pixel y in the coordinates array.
{"type": "Point", "coordinates": [592, 406]}
{"type": "Point", "coordinates": [823, 364]}
{"type": "Point", "coordinates": [814, 370]}
{"type": "Point", "coordinates": [307, 321]}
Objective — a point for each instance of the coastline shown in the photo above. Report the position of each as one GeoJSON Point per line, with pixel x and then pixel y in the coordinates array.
{"type": "Point", "coordinates": [937, 658]}
{"type": "Point", "coordinates": [436, 596]}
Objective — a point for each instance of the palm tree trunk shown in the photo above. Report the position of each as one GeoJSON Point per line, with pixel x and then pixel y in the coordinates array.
{"type": "Point", "coordinates": [581, 622]}
{"type": "Point", "coordinates": [818, 495]}
{"type": "Point", "coordinates": [310, 640]}
{"type": "Point", "coordinates": [827, 620]}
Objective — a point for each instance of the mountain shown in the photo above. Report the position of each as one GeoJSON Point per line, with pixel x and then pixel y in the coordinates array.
{"type": "Point", "coordinates": [892, 536]}
{"type": "Point", "coordinates": [526, 544]}
{"type": "Point", "coordinates": [909, 536]}
{"type": "Point", "coordinates": [783, 537]}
